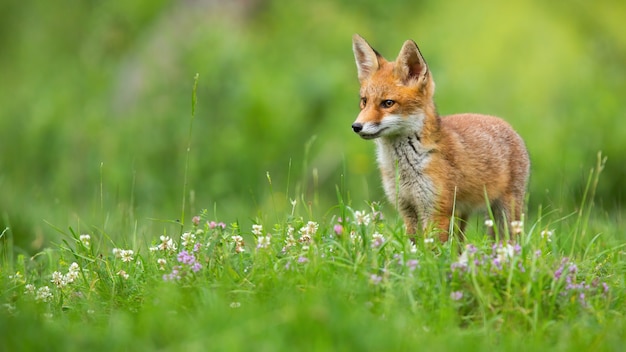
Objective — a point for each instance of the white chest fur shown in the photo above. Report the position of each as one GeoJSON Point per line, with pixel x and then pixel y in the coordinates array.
{"type": "Point", "coordinates": [403, 161]}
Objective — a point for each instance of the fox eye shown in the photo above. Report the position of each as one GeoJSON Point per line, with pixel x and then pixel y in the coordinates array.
{"type": "Point", "coordinates": [387, 103]}
{"type": "Point", "coordinates": [363, 102]}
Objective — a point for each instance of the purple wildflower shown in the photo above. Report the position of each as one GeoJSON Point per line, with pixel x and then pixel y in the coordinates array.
{"type": "Point", "coordinates": [375, 279]}
{"type": "Point", "coordinates": [196, 267]}
{"type": "Point", "coordinates": [497, 263]}
{"type": "Point", "coordinates": [338, 229]}
{"type": "Point", "coordinates": [174, 275]}
{"type": "Point", "coordinates": [398, 258]}
{"type": "Point", "coordinates": [303, 260]}
{"type": "Point", "coordinates": [412, 264]}
{"type": "Point", "coordinates": [456, 295]}
{"type": "Point", "coordinates": [186, 258]}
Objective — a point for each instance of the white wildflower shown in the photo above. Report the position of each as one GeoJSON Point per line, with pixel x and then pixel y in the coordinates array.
{"type": "Point", "coordinates": [123, 274]}
{"type": "Point", "coordinates": [238, 243]}
{"type": "Point", "coordinates": [257, 229]}
{"type": "Point", "coordinates": [85, 239]}
{"type": "Point", "coordinates": [127, 255]}
{"type": "Point", "coordinates": [166, 243]}
{"type": "Point", "coordinates": [263, 241]}
{"type": "Point", "coordinates": [187, 239]}
{"type": "Point", "coordinates": [310, 228]}
{"type": "Point", "coordinates": [161, 263]}
{"type": "Point", "coordinates": [58, 279]}
{"type": "Point", "coordinates": [517, 227]}
{"type": "Point", "coordinates": [74, 268]}
{"type": "Point", "coordinates": [547, 235]}
{"type": "Point", "coordinates": [43, 294]}
{"type": "Point", "coordinates": [290, 241]}
{"type": "Point", "coordinates": [489, 223]}
{"type": "Point", "coordinates": [362, 218]}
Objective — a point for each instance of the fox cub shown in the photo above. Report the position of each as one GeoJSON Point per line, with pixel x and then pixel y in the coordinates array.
{"type": "Point", "coordinates": [432, 165]}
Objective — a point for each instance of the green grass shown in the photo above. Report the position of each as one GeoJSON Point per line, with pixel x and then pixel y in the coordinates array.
{"type": "Point", "coordinates": [350, 280]}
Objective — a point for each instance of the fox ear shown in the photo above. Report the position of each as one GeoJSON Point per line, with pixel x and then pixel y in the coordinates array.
{"type": "Point", "coordinates": [410, 64]}
{"type": "Point", "coordinates": [366, 57]}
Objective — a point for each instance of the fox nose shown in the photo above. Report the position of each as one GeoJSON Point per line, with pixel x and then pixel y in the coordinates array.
{"type": "Point", "coordinates": [357, 127]}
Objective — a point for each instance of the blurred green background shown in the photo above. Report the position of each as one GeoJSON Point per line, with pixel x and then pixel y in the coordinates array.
{"type": "Point", "coordinates": [95, 101]}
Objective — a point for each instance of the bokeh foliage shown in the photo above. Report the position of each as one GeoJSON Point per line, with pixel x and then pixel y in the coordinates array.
{"type": "Point", "coordinates": [95, 100]}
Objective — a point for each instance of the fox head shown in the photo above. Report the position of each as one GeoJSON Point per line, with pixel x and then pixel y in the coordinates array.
{"type": "Point", "coordinates": [396, 95]}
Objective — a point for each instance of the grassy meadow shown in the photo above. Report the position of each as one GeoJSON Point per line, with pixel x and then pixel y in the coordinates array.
{"type": "Point", "coordinates": [182, 176]}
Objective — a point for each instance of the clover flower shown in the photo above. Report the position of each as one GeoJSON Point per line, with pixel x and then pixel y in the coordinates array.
{"type": "Point", "coordinates": [306, 234]}
{"type": "Point", "coordinates": [84, 239]}
{"type": "Point", "coordinates": [213, 225]}
{"type": "Point", "coordinates": [123, 274]}
{"type": "Point", "coordinates": [187, 239]}
{"type": "Point", "coordinates": [309, 229]}
{"type": "Point", "coordinates": [238, 243]}
{"type": "Point", "coordinates": [257, 229]}
{"type": "Point", "coordinates": [161, 262]}
{"type": "Point", "coordinates": [263, 241]}
{"type": "Point", "coordinates": [73, 272]}
{"type": "Point", "coordinates": [167, 244]}
{"type": "Point", "coordinates": [362, 218]}
{"type": "Point", "coordinates": [60, 280]}
{"type": "Point", "coordinates": [57, 279]}
{"type": "Point", "coordinates": [44, 294]}
{"type": "Point", "coordinates": [186, 258]}
{"type": "Point", "coordinates": [338, 229]}
{"type": "Point", "coordinates": [377, 240]}
{"type": "Point", "coordinates": [126, 255]}
{"type": "Point", "coordinates": [456, 295]}
{"type": "Point", "coordinates": [190, 260]}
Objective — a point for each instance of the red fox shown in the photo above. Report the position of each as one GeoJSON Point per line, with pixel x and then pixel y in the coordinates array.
{"type": "Point", "coordinates": [433, 166]}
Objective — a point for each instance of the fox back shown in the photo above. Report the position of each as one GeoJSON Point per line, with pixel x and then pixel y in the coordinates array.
{"type": "Point", "coordinates": [436, 168]}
